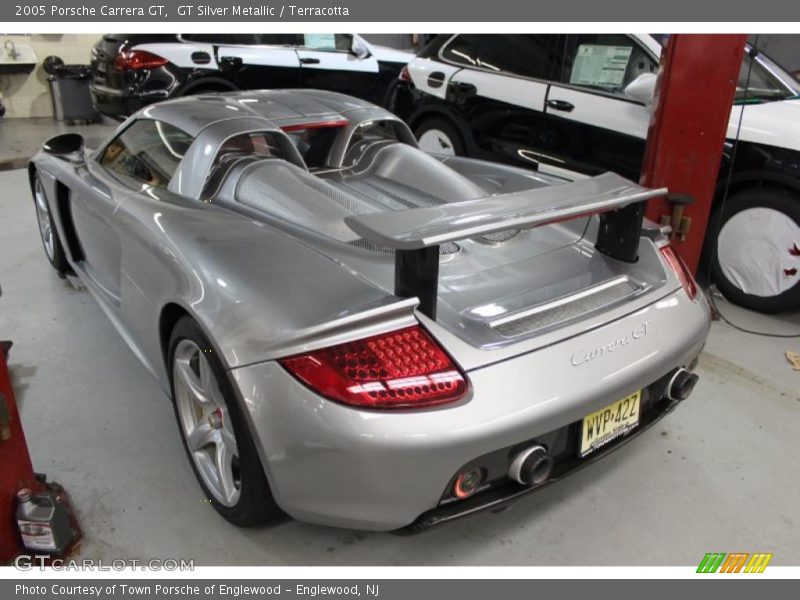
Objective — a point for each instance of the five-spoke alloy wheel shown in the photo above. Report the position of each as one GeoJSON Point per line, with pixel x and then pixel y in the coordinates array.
{"type": "Point", "coordinates": [214, 430]}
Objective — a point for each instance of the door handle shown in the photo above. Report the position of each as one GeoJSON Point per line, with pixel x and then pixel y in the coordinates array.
{"type": "Point", "coordinates": [309, 61]}
{"type": "Point", "coordinates": [561, 105]}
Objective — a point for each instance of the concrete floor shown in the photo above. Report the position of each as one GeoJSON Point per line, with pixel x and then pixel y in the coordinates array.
{"type": "Point", "coordinates": [719, 474]}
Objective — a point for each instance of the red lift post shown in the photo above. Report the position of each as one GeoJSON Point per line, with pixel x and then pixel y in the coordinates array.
{"type": "Point", "coordinates": [692, 104]}
{"type": "Point", "coordinates": [16, 470]}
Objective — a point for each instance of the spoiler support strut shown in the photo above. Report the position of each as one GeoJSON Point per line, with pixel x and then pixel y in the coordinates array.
{"type": "Point", "coordinates": [416, 273]}
{"type": "Point", "coordinates": [618, 233]}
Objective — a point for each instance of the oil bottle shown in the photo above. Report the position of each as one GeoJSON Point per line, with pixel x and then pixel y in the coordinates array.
{"type": "Point", "coordinates": [44, 522]}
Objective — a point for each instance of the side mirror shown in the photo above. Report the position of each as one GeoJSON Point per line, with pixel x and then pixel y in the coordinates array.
{"type": "Point", "coordinates": [359, 48]}
{"type": "Point", "coordinates": [643, 88]}
{"type": "Point", "coordinates": [68, 146]}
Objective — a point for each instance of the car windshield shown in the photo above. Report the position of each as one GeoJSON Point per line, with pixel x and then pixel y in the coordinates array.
{"type": "Point", "coordinates": [762, 80]}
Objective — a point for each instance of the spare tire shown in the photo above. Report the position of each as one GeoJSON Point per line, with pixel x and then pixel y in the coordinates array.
{"type": "Point", "coordinates": [755, 249]}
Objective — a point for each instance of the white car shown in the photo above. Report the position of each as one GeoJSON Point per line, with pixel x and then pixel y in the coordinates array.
{"type": "Point", "coordinates": [581, 103]}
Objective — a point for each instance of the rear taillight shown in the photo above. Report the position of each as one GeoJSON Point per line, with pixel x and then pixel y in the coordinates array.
{"type": "Point", "coordinates": [401, 369]}
{"type": "Point", "coordinates": [404, 74]}
{"type": "Point", "coordinates": [136, 60]}
{"type": "Point", "coordinates": [681, 270]}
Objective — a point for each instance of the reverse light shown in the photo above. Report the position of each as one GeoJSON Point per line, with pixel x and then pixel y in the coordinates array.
{"type": "Point", "coordinates": [681, 270]}
{"type": "Point", "coordinates": [137, 60]}
{"type": "Point", "coordinates": [404, 74]}
{"type": "Point", "coordinates": [400, 369]}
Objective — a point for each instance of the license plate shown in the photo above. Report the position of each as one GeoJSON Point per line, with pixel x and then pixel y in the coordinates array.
{"type": "Point", "coordinates": [608, 423]}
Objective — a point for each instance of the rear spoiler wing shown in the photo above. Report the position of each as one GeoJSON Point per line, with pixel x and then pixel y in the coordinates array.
{"type": "Point", "coordinates": [416, 234]}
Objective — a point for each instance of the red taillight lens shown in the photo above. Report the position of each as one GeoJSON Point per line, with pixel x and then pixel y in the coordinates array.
{"type": "Point", "coordinates": [404, 74]}
{"type": "Point", "coordinates": [136, 60]}
{"type": "Point", "coordinates": [400, 369]}
{"type": "Point", "coordinates": [681, 270]}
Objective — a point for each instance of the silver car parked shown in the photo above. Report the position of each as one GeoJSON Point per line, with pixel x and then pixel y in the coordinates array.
{"type": "Point", "coordinates": [356, 332]}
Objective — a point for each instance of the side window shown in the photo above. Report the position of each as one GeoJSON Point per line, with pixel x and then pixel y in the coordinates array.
{"type": "Point", "coordinates": [607, 62]}
{"type": "Point", "coordinates": [527, 55]}
{"type": "Point", "coordinates": [147, 152]}
{"type": "Point", "coordinates": [756, 83]}
{"type": "Point", "coordinates": [326, 42]}
{"type": "Point", "coordinates": [224, 39]}
{"type": "Point", "coordinates": [279, 39]}
{"type": "Point", "coordinates": [463, 50]}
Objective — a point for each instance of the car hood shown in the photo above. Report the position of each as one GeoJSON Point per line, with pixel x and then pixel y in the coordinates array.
{"type": "Point", "coordinates": [774, 123]}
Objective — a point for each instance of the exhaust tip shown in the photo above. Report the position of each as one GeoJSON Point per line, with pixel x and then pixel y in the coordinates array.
{"type": "Point", "coordinates": [532, 466]}
{"type": "Point", "coordinates": [681, 384]}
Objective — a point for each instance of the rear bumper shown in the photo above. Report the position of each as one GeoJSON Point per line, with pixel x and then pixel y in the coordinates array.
{"type": "Point", "coordinates": [566, 463]}
{"type": "Point", "coordinates": [384, 470]}
{"type": "Point", "coordinates": [120, 104]}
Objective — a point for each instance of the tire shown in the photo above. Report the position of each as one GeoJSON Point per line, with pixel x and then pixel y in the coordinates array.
{"type": "Point", "coordinates": [53, 249]}
{"type": "Point", "coordinates": [217, 429]}
{"type": "Point", "coordinates": [754, 249]}
{"type": "Point", "coordinates": [440, 136]}
{"type": "Point", "coordinates": [390, 95]}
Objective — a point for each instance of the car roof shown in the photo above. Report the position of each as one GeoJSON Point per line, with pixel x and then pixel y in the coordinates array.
{"type": "Point", "coordinates": [213, 118]}
{"type": "Point", "coordinates": [280, 108]}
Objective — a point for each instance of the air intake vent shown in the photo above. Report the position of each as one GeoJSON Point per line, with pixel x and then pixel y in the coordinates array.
{"type": "Point", "coordinates": [444, 249]}
{"type": "Point", "coordinates": [566, 308]}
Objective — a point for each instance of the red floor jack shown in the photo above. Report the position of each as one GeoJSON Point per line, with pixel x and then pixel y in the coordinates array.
{"type": "Point", "coordinates": [42, 509]}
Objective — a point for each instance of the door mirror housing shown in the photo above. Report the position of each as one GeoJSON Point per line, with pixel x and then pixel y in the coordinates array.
{"type": "Point", "coordinates": [68, 146]}
{"type": "Point", "coordinates": [642, 88]}
{"type": "Point", "coordinates": [359, 48]}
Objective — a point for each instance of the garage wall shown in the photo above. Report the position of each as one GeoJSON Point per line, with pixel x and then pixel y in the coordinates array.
{"type": "Point", "coordinates": [400, 41]}
{"type": "Point", "coordinates": [27, 95]}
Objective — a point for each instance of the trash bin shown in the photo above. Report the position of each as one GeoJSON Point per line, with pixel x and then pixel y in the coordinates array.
{"type": "Point", "coordinates": [69, 90]}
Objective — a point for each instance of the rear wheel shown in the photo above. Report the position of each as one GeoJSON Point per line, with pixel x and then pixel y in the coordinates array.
{"type": "Point", "coordinates": [47, 229]}
{"type": "Point", "coordinates": [755, 258]}
{"type": "Point", "coordinates": [440, 136]}
{"type": "Point", "coordinates": [214, 432]}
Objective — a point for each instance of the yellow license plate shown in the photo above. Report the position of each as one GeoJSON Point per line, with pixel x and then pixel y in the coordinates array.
{"type": "Point", "coordinates": [608, 423]}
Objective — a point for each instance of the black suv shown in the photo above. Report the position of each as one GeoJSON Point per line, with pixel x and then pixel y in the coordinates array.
{"type": "Point", "coordinates": [132, 71]}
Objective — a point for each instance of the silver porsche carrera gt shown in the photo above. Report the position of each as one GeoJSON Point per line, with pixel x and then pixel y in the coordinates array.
{"type": "Point", "coordinates": [356, 332]}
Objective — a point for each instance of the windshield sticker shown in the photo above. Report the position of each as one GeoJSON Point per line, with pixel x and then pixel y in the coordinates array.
{"type": "Point", "coordinates": [320, 41]}
{"type": "Point", "coordinates": [600, 65]}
